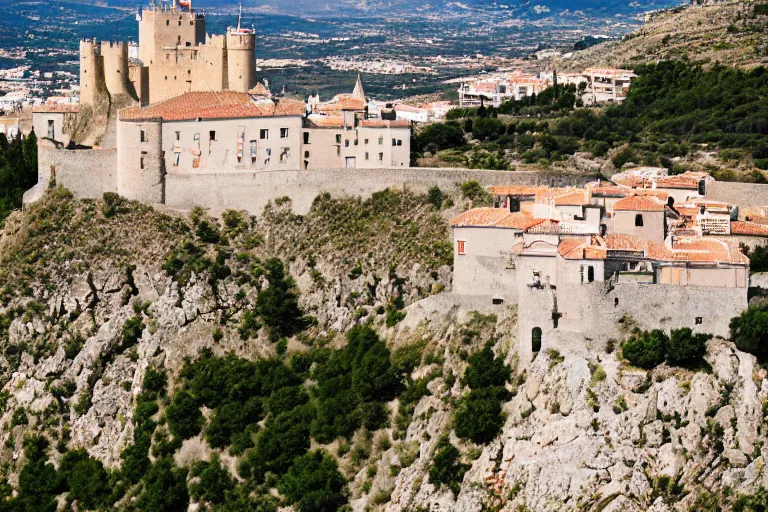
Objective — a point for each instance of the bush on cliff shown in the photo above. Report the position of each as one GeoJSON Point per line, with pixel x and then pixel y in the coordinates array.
{"type": "Point", "coordinates": [681, 348]}
{"type": "Point", "coordinates": [750, 330]}
{"type": "Point", "coordinates": [645, 349]}
{"type": "Point", "coordinates": [314, 483]}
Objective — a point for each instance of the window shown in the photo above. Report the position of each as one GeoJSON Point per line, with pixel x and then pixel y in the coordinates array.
{"type": "Point", "coordinates": [381, 141]}
{"type": "Point", "coordinates": [263, 134]}
{"type": "Point", "coordinates": [338, 150]}
{"type": "Point", "coordinates": [143, 156]}
{"type": "Point", "coordinates": [536, 340]}
{"type": "Point", "coordinates": [212, 135]}
{"type": "Point", "coordinates": [176, 158]}
{"type": "Point", "coordinates": [639, 220]}
{"type": "Point", "coordinates": [306, 137]}
{"type": "Point", "coordinates": [306, 154]}
{"type": "Point", "coordinates": [143, 136]}
{"type": "Point", "coordinates": [178, 135]}
{"type": "Point", "coordinates": [381, 157]}
{"type": "Point", "coordinates": [283, 133]}
{"type": "Point", "coordinates": [268, 153]}
{"type": "Point", "coordinates": [460, 247]}
{"type": "Point", "coordinates": [346, 143]}
{"type": "Point", "coordinates": [285, 154]}
{"type": "Point", "coordinates": [338, 138]}
{"type": "Point", "coordinates": [356, 141]}
{"type": "Point", "coordinates": [51, 129]}
{"type": "Point", "coordinates": [167, 23]}
{"type": "Point", "coordinates": [179, 22]}
{"type": "Point", "coordinates": [365, 142]}
{"type": "Point", "coordinates": [366, 155]}
{"type": "Point", "coordinates": [699, 320]}
{"type": "Point", "coordinates": [254, 153]}
{"type": "Point", "coordinates": [394, 142]}
{"type": "Point", "coordinates": [590, 274]}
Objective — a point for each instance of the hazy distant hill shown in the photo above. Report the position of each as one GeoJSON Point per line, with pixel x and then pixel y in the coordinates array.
{"type": "Point", "coordinates": [733, 33]}
{"type": "Point", "coordinates": [534, 8]}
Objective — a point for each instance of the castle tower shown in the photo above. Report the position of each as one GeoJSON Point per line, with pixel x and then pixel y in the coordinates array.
{"type": "Point", "coordinates": [167, 27]}
{"type": "Point", "coordinates": [140, 165]}
{"type": "Point", "coordinates": [115, 58]}
{"type": "Point", "coordinates": [92, 86]}
{"type": "Point", "coordinates": [241, 59]}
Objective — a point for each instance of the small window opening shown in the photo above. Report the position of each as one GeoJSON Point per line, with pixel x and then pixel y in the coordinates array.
{"type": "Point", "coordinates": [536, 340]}
{"type": "Point", "coordinates": [460, 247]}
{"type": "Point", "coordinates": [306, 137]}
{"type": "Point", "coordinates": [498, 302]}
{"type": "Point", "coordinates": [212, 135]}
{"type": "Point", "coordinates": [639, 220]}
{"type": "Point", "coordinates": [143, 156]}
{"type": "Point", "coordinates": [590, 274]}
{"type": "Point", "coordinates": [699, 320]}
{"type": "Point", "coordinates": [263, 134]}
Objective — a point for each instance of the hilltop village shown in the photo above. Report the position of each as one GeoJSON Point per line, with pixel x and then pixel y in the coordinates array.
{"type": "Point", "coordinates": [586, 264]}
{"type": "Point", "coordinates": [181, 120]}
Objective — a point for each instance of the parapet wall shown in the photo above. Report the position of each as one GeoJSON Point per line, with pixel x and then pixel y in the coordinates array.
{"type": "Point", "coordinates": [251, 191]}
{"type": "Point", "coordinates": [88, 173]}
{"type": "Point", "coordinates": [592, 313]}
{"type": "Point", "coordinates": [742, 194]}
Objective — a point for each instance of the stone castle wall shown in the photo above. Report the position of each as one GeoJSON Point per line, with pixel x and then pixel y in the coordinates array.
{"type": "Point", "coordinates": [88, 173]}
{"type": "Point", "coordinates": [251, 191]}
{"type": "Point", "coordinates": [592, 313]}
{"type": "Point", "coordinates": [743, 194]}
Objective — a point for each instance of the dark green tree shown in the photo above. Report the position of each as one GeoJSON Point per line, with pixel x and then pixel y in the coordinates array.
{"type": "Point", "coordinates": [314, 483]}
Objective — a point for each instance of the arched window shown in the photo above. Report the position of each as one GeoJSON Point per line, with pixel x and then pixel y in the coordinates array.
{"type": "Point", "coordinates": [536, 339]}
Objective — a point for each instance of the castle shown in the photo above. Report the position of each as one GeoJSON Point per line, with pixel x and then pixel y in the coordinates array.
{"type": "Point", "coordinates": [589, 264]}
{"type": "Point", "coordinates": [175, 55]}
{"type": "Point", "coordinates": [185, 115]}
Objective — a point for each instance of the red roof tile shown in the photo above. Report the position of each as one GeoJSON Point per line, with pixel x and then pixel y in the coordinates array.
{"type": "Point", "coordinates": [213, 105]}
{"type": "Point", "coordinates": [749, 229]}
{"type": "Point", "coordinates": [495, 218]}
{"type": "Point", "coordinates": [638, 204]}
{"type": "Point", "coordinates": [384, 123]}
{"type": "Point", "coordinates": [59, 108]}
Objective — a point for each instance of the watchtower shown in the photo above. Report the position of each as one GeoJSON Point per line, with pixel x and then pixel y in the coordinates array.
{"type": "Point", "coordinates": [115, 62]}
{"type": "Point", "coordinates": [92, 86]}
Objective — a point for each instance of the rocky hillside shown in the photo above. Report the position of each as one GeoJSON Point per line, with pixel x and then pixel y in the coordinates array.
{"type": "Point", "coordinates": [732, 33]}
{"type": "Point", "coordinates": [156, 362]}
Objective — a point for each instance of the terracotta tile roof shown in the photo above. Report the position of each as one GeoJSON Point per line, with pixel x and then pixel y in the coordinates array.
{"type": "Point", "coordinates": [708, 250]}
{"type": "Point", "coordinates": [578, 198]}
{"type": "Point", "coordinates": [320, 121]}
{"type": "Point", "coordinates": [610, 191]}
{"type": "Point", "coordinates": [495, 218]}
{"type": "Point", "coordinates": [58, 108]}
{"type": "Point", "coordinates": [650, 192]}
{"type": "Point", "coordinates": [260, 90]}
{"type": "Point", "coordinates": [749, 229]}
{"type": "Point", "coordinates": [384, 123]}
{"type": "Point", "coordinates": [516, 190]}
{"type": "Point", "coordinates": [685, 249]}
{"type": "Point", "coordinates": [639, 204]}
{"type": "Point", "coordinates": [213, 105]}
{"type": "Point", "coordinates": [342, 102]}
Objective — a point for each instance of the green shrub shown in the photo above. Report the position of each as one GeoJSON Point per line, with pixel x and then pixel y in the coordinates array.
{"type": "Point", "coordinates": [646, 349]}
{"type": "Point", "coordinates": [214, 481]}
{"type": "Point", "coordinates": [132, 330]}
{"type": "Point", "coordinates": [113, 205]}
{"type": "Point", "coordinates": [165, 488]}
{"type": "Point", "coordinates": [231, 419]}
{"type": "Point", "coordinates": [685, 348]}
{"type": "Point", "coordinates": [435, 196]}
{"type": "Point", "coordinates": [446, 468]}
{"type": "Point", "coordinates": [750, 330]}
{"type": "Point", "coordinates": [476, 193]}
{"type": "Point", "coordinates": [184, 417]}
{"type": "Point", "coordinates": [86, 479]}
{"type": "Point", "coordinates": [485, 370]}
{"type": "Point", "coordinates": [314, 483]}
{"type": "Point", "coordinates": [479, 416]}
{"type": "Point", "coordinates": [278, 305]}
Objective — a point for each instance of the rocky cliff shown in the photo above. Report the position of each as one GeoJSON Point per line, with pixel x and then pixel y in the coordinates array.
{"type": "Point", "coordinates": [112, 313]}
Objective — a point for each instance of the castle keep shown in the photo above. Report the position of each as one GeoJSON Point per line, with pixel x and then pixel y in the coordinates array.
{"type": "Point", "coordinates": [175, 55]}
